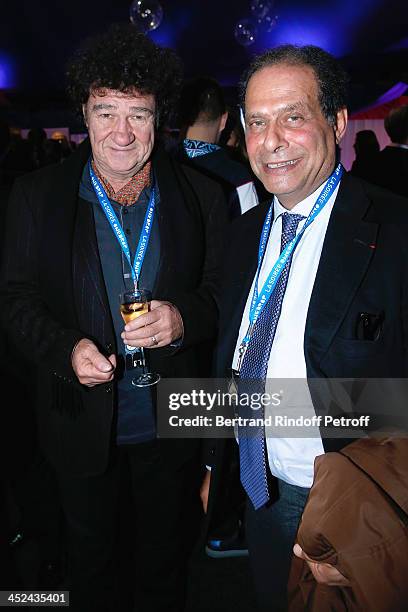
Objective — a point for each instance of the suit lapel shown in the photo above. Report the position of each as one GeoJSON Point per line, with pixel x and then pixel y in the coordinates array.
{"type": "Point", "coordinates": [170, 223]}
{"type": "Point", "coordinates": [87, 269]}
{"type": "Point", "coordinates": [86, 259]}
{"type": "Point", "coordinates": [178, 215]}
{"type": "Point", "coordinates": [76, 254]}
{"type": "Point", "coordinates": [347, 250]}
{"type": "Point", "coordinates": [60, 213]}
{"type": "Point", "coordinates": [238, 274]}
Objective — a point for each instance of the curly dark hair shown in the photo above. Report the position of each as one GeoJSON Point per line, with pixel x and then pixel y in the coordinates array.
{"type": "Point", "coordinates": [125, 60]}
{"type": "Point", "coordinates": [332, 79]}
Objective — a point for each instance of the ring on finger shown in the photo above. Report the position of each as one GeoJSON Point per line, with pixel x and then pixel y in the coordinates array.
{"type": "Point", "coordinates": [154, 340]}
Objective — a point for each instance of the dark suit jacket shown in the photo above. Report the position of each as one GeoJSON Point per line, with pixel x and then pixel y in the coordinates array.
{"type": "Point", "coordinates": [226, 171]}
{"type": "Point", "coordinates": [392, 170]}
{"type": "Point", "coordinates": [363, 268]}
{"type": "Point", "coordinates": [53, 295]}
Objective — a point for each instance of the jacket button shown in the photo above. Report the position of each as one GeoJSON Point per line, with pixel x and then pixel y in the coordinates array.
{"type": "Point", "coordinates": [108, 389]}
{"type": "Point", "coordinates": [109, 347]}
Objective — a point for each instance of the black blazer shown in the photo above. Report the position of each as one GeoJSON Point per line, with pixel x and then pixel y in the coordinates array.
{"type": "Point", "coordinates": [363, 268]}
{"type": "Point", "coordinates": [392, 170]}
{"type": "Point", "coordinates": [53, 294]}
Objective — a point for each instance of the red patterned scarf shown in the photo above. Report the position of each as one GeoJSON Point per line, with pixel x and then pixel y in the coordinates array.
{"type": "Point", "coordinates": [129, 193]}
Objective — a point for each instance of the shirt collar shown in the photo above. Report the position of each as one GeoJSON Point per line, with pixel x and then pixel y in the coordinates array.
{"type": "Point", "coordinates": [196, 148]}
{"type": "Point", "coordinates": [87, 192]}
{"type": "Point", "coordinates": [303, 207]}
{"type": "Point", "coordinates": [129, 193]}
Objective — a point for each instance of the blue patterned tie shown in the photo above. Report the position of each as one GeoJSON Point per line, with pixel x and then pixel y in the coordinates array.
{"type": "Point", "coordinates": [253, 375]}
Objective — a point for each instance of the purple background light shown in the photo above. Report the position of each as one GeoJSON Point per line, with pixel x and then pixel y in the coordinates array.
{"type": "Point", "coordinates": [7, 72]}
{"type": "Point", "coordinates": [369, 35]}
{"type": "Point", "coordinates": [171, 31]}
{"type": "Point", "coordinates": [335, 27]}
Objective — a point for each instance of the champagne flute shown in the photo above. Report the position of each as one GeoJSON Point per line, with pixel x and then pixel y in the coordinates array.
{"type": "Point", "coordinates": [134, 303]}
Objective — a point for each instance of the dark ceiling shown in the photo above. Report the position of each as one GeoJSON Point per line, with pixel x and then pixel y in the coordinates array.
{"type": "Point", "coordinates": [37, 38]}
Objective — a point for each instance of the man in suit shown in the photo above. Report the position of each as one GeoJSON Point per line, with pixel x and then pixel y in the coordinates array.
{"type": "Point", "coordinates": [315, 287]}
{"type": "Point", "coordinates": [64, 269]}
{"type": "Point", "coordinates": [202, 116]}
{"type": "Point", "coordinates": [393, 160]}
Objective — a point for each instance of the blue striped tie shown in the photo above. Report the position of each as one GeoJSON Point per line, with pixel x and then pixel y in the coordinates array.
{"type": "Point", "coordinates": [253, 375]}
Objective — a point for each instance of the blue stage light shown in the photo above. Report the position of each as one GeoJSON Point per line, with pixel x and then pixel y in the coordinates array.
{"type": "Point", "coordinates": [7, 72]}
{"type": "Point", "coordinates": [334, 28]}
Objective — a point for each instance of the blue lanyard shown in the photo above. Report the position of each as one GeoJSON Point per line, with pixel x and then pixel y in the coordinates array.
{"type": "Point", "coordinates": [259, 300]}
{"type": "Point", "coordinates": [117, 228]}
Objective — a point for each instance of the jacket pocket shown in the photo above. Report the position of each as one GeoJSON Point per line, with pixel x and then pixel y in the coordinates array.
{"type": "Point", "coordinates": [357, 349]}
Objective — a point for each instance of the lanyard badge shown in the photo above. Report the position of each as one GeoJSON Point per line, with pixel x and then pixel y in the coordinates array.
{"type": "Point", "coordinates": [260, 298]}
{"type": "Point", "coordinates": [117, 229]}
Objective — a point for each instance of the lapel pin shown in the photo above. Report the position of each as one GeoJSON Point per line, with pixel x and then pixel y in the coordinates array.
{"type": "Point", "coordinates": [370, 246]}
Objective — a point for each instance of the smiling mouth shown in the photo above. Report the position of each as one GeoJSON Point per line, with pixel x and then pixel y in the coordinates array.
{"type": "Point", "coordinates": [283, 164]}
{"type": "Point", "coordinates": [121, 150]}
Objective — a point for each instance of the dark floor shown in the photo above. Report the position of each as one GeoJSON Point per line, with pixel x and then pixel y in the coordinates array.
{"type": "Point", "coordinates": [219, 585]}
{"type": "Point", "coordinates": [216, 585]}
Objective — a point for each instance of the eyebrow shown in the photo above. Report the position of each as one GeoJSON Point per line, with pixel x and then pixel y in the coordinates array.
{"type": "Point", "coordinates": [289, 108]}
{"type": "Point", "coordinates": [132, 109]}
{"type": "Point", "coordinates": [103, 106]}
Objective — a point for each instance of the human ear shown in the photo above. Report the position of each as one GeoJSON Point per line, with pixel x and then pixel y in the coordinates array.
{"type": "Point", "coordinates": [341, 124]}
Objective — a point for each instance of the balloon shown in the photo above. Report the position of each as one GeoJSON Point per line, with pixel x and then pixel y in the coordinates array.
{"type": "Point", "coordinates": [268, 23]}
{"type": "Point", "coordinates": [245, 32]}
{"type": "Point", "coordinates": [146, 14]}
{"type": "Point", "coordinates": [261, 8]}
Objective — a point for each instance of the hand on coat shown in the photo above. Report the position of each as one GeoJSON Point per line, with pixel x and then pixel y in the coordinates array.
{"type": "Point", "coordinates": [324, 573]}
{"type": "Point", "coordinates": [159, 327]}
{"type": "Point", "coordinates": [90, 366]}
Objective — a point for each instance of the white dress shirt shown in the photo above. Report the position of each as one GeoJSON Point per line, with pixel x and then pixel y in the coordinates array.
{"type": "Point", "coordinates": [292, 459]}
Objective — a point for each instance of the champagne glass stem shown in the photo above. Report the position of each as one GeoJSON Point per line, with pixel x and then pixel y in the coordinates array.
{"type": "Point", "coordinates": [143, 359]}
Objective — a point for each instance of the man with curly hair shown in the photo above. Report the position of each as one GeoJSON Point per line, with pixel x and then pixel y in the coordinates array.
{"type": "Point", "coordinates": [77, 234]}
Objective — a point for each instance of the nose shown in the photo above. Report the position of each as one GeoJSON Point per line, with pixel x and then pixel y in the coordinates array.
{"type": "Point", "coordinates": [123, 134]}
{"type": "Point", "coordinates": [274, 138]}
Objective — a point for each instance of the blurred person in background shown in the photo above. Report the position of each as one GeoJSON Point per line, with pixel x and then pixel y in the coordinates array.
{"type": "Point", "coordinates": [393, 160]}
{"type": "Point", "coordinates": [367, 148]}
{"type": "Point", "coordinates": [202, 118]}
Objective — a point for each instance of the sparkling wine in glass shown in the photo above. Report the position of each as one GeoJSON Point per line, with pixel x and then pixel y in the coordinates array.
{"type": "Point", "coordinates": [134, 303]}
